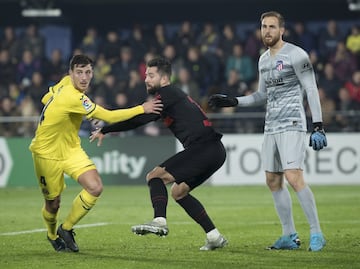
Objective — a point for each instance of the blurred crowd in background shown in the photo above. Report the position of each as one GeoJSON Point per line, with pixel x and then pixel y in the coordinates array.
{"type": "Point", "coordinates": [207, 58]}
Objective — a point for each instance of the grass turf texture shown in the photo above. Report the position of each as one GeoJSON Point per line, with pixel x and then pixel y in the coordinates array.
{"type": "Point", "coordinates": [244, 214]}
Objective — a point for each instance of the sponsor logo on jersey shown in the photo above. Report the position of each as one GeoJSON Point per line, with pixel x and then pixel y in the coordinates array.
{"type": "Point", "coordinates": [274, 82]}
{"type": "Point", "coordinates": [306, 67]}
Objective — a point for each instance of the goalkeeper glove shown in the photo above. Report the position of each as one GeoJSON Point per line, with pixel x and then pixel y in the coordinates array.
{"type": "Point", "coordinates": [222, 100]}
{"type": "Point", "coordinates": [318, 137]}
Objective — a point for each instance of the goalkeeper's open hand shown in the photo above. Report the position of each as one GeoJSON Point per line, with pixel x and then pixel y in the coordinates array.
{"type": "Point", "coordinates": [222, 100]}
{"type": "Point", "coordinates": [318, 137]}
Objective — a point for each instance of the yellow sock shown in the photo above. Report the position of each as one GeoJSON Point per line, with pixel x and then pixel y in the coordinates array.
{"type": "Point", "coordinates": [80, 207]}
{"type": "Point", "coordinates": [50, 220]}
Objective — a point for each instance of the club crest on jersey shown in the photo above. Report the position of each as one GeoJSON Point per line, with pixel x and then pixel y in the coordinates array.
{"type": "Point", "coordinates": [279, 65]}
{"type": "Point", "coordinates": [87, 104]}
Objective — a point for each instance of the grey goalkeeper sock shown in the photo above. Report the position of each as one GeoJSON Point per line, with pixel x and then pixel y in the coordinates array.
{"type": "Point", "coordinates": [307, 202]}
{"type": "Point", "coordinates": [283, 205]}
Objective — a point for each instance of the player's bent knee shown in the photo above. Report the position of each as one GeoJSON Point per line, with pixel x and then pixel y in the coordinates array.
{"type": "Point", "coordinates": [153, 174]}
{"type": "Point", "coordinates": [96, 190]}
{"type": "Point", "coordinates": [177, 195]}
{"type": "Point", "coordinates": [179, 191]}
{"type": "Point", "coordinates": [53, 206]}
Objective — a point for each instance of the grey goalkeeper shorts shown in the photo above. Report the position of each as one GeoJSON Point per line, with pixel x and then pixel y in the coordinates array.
{"type": "Point", "coordinates": [283, 151]}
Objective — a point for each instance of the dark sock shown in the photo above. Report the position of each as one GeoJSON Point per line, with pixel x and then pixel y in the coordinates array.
{"type": "Point", "coordinates": [159, 196]}
{"type": "Point", "coordinates": [197, 212]}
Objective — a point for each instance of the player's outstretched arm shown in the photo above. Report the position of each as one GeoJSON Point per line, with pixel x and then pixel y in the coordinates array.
{"type": "Point", "coordinates": [153, 106]}
{"type": "Point", "coordinates": [222, 100]}
{"type": "Point", "coordinates": [111, 116]}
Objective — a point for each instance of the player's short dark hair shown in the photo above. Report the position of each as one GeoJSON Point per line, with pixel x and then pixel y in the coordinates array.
{"type": "Point", "coordinates": [274, 14]}
{"type": "Point", "coordinates": [80, 60]}
{"type": "Point", "coordinates": [163, 65]}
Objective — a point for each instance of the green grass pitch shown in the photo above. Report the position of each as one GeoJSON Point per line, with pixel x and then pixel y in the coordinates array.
{"type": "Point", "coordinates": [244, 214]}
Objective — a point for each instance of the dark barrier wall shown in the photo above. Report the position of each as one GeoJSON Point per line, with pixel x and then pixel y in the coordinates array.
{"type": "Point", "coordinates": [119, 160]}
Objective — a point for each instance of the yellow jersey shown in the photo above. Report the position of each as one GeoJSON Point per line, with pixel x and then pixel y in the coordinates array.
{"type": "Point", "coordinates": [65, 106]}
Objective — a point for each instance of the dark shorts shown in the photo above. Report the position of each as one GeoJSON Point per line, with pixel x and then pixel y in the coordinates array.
{"type": "Point", "coordinates": [197, 163]}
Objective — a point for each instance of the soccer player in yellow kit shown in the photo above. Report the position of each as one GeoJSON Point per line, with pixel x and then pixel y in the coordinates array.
{"type": "Point", "coordinates": [56, 148]}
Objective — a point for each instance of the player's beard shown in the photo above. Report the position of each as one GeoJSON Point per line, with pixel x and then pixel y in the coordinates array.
{"type": "Point", "coordinates": [152, 89]}
{"type": "Point", "coordinates": [272, 41]}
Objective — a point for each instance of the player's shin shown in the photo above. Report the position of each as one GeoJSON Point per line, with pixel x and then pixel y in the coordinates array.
{"type": "Point", "coordinates": [196, 211]}
{"type": "Point", "coordinates": [80, 207]}
{"type": "Point", "coordinates": [50, 220]}
{"type": "Point", "coordinates": [159, 197]}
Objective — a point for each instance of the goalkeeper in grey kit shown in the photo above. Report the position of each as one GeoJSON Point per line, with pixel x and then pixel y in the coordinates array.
{"type": "Point", "coordinates": [285, 73]}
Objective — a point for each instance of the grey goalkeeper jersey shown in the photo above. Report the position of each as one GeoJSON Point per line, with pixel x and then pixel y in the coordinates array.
{"type": "Point", "coordinates": [283, 79]}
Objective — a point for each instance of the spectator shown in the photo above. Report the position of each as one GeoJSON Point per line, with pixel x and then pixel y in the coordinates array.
{"type": "Point", "coordinates": [135, 91]}
{"type": "Point", "coordinates": [254, 46]}
{"type": "Point", "coordinates": [125, 63]}
{"type": "Point", "coordinates": [76, 51]}
{"type": "Point", "coordinates": [159, 39]}
{"type": "Point", "coordinates": [230, 88]}
{"type": "Point", "coordinates": [107, 90]}
{"type": "Point", "coordinates": [36, 89]}
{"type": "Point", "coordinates": [328, 108]}
{"type": "Point", "coordinates": [7, 68]}
{"type": "Point", "coordinates": [315, 62]}
{"type": "Point", "coordinates": [227, 41]}
{"type": "Point", "coordinates": [8, 108]}
{"type": "Point", "coordinates": [289, 35]}
{"type": "Point", "coordinates": [33, 41]}
{"type": "Point", "coordinates": [353, 86]}
{"type": "Point", "coordinates": [329, 82]}
{"type": "Point", "coordinates": [208, 39]}
{"type": "Point", "coordinates": [138, 42]}
{"type": "Point", "coordinates": [343, 61]}
{"type": "Point", "coordinates": [188, 85]}
{"type": "Point", "coordinates": [101, 69]}
{"type": "Point", "coordinates": [353, 42]}
{"type": "Point", "coordinates": [303, 38]}
{"type": "Point", "coordinates": [241, 63]}
{"type": "Point", "coordinates": [346, 106]}
{"type": "Point", "coordinates": [26, 68]}
{"type": "Point", "coordinates": [169, 53]}
{"type": "Point", "coordinates": [198, 68]}
{"type": "Point", "coordinates": [142, 65]}
{"type": "Point", "coordinates": [184, 38]}
{"type": "Point", "coordinates": [111, 47]}
{"type": "Point", "coordinates": [121, 100]}
{"type": "Point", "coordinates": [28, 109]}
{"type": "Point", "coordinates": [15, 93]}
{"type": "Point", "coordinates": [55, 68]}
{"type": "Point", "coordinates": [328, 40]}
{"type": "Point", "coordinates": [11, 43]}
{"type": "Point", "coordinates": [91, 42]}
{"type": "Point", "coordinates": [208, 42]}
{"type": "Point", "coordinates": [234, 86]}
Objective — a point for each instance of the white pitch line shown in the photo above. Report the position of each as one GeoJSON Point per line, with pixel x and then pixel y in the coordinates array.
{"type": "Point", "coordinates": [44, 230]}
{"type": "Point", "coordinates": [240, 223]}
